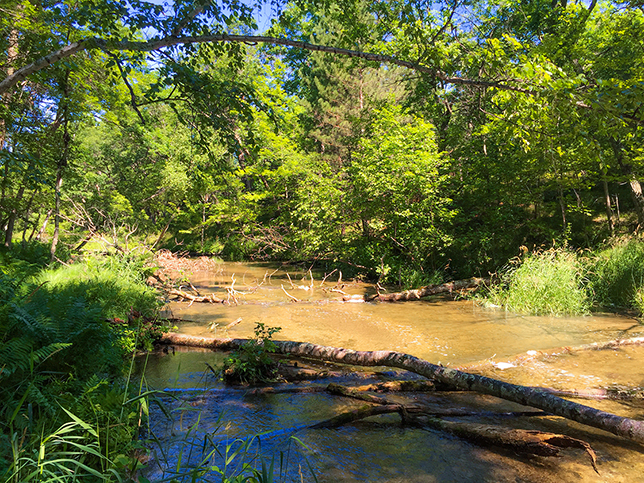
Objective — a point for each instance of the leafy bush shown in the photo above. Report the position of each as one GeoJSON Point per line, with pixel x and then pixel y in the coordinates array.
{"type": "Point", "coordinates": [252, 362]}
{"type": "Point", "coordinates": [545, 283]}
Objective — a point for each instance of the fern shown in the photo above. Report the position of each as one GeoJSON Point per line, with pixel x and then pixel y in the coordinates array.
{"type": "Point", "coordinates": [41, 355]}
{"type": "Point", "coordinates": [15, 356]}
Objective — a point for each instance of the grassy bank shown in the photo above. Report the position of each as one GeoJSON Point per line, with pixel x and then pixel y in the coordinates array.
{"type": "Point", "coordinates": [66, 334]}
{"type": "Point", "coordinates": [562, 282]}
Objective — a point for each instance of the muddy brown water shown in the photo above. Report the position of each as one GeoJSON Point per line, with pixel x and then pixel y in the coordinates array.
{"type": "Point", "coordinates": [198, 420]}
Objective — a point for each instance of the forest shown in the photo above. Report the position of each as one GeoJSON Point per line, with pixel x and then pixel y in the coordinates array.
{"type": "Point", "coordinates": [406, 143]}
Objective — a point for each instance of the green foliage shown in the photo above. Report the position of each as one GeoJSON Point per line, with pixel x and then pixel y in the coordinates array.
{"type": "Point", "coordinates": [397, 196]}
{"type": "Point", "coordinates": [252, 362]}
{"type": "Point", "coordinates": [616, 276]}
{"type": "Point", "coordinates": [115, 284]}
{"type": "Point", "coordinates": [545, 283]}
{"type": "Point", "coordinates": [62, 363]}
{"type": "Point", "coordinates": [62, 456]}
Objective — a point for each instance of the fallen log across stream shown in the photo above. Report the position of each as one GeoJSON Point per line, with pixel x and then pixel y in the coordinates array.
{"type": "Point", "coordinates": [528, 396]}
{"type": "Point", "coordinates": [417, 294]}
{"type": "Point", "coordinates": [211, 298]}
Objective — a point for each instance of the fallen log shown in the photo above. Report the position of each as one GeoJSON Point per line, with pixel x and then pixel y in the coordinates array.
{"type": "Point", "coordinates": [612, 393]}
{"type": "Point", "coordinates": [211, 298]}
{"type": "Point", "coordinates": [389, 386]}
{"type": "Point", "coordinates": [398, 386]}
{"type": "Point", "coordinates": [625, 427]}
{"type": "Point", "coordinates": [527, 396]}
{"type": "Point", "coordinates": [344, 391]}
{"type": "Point", "coordinates": [223, 344]}
{"type": "Point", "coordinates": [419, 293]}
{"type": "Point", "coordinates": [520, 440]}
{"type": "Point", "coordinates": [532, 354]}
{"type": "Point", "coordinates": [256, 391]}
{"type": "Point", "coordinates": [363, 412]}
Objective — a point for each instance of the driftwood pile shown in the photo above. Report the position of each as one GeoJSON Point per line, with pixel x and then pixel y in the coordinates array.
{"type": "Point", "coordinates": [451, 288]}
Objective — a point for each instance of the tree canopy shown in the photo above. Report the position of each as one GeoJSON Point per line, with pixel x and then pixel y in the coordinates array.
{"type": "Point", "coordinates": [401, 138]}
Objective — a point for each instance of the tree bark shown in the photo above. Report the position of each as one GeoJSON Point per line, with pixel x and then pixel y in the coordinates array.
{"type": "Point", "coordinates": [62, 163]}
{"type": "Point", "coordinates": [636, 187]}
{"type": "Point", "coordinates": [609, 208]}
{"type": "Point", "coordinates": [527, 396]}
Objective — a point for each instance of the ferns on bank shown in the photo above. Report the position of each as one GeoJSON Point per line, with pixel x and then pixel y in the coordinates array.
{"type": "Point", "coordinates": [61, 363]}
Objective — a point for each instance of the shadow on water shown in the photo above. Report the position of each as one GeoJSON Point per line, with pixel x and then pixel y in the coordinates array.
{"type": "Point", "coordinates": [198, 421]}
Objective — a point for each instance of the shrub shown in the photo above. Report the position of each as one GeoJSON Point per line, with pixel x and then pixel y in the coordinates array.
{"type": "Point", "coordinates": [252, 362]}
{"type": "Point", "coordinates": [546, 283]}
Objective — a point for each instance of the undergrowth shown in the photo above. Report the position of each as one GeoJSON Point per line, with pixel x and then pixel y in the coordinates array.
{"type": "Point", "coordinates": [65, 333]}
{"type": "Point", "coordinates": [616, 276]}
{"type": "Point", "coordinates": [252, 362]}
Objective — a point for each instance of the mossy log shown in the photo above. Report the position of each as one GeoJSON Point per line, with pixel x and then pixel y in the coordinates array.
{"type": "Point", "coordinates": [528, 396]}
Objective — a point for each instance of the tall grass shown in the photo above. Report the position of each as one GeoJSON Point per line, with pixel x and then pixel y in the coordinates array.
{"type": "Point", "coordinates": [616, 276]}
{"type": "Point", "coordinates": [113, 284]}
{"type": "Point", "coordinates": [546, 283]}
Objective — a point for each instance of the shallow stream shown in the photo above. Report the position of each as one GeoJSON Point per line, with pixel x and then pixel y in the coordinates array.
{"type": "Point", "coordinates": [197, 420]}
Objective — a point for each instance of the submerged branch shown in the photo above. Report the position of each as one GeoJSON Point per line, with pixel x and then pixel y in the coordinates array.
{"type": "Point", "coordinates": [520, 440]}
{"type": "Point", "coordinates": [532, 355]}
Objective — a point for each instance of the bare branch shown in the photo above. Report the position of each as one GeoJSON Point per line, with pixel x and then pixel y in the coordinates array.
{"type": "Point", "coordinates": [153, 45]}
{"type": "Point", "coordinates": [129, 86]}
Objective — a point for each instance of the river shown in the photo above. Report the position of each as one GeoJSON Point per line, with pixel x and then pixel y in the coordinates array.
{"type": "Point", "coordinates": [198, 419]}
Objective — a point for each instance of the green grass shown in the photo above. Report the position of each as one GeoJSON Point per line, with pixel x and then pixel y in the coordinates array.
{"type": "Point", "coordinates": [546, 283]}
{"type": "Point", "coordinates": [616, 276]}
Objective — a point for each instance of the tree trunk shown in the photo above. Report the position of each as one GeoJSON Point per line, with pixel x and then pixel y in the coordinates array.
{"type": "Point", "coordinates": [54, 240]}
{"type": "Point", "coordinates": [62, 163]}
{"type": "Point", "coordinates": [638, 199]}
{"type": "Point", "coordinates": [636, 187]}
{"type": "Point", "coordinates": [43, 227]}
{"type": "Point", "coordinates": [609, 208]}
{"type": "Point", "coordinates": [12, 55]}
{"type": "Point", "coordinates": [527, 396]}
